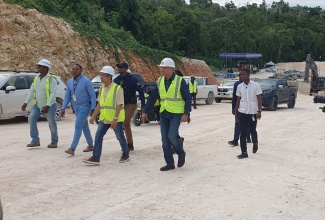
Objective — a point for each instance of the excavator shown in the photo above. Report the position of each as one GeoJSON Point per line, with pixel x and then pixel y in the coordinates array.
{"type": "Point", "coordinates": [317, 83]}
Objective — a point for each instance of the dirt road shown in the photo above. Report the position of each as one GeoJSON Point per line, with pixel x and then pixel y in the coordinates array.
{"type": "Point", "coordinates": [285, 179]}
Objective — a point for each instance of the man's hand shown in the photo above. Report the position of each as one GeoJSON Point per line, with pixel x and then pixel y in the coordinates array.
{"type": "Point", "coordinates": [62, 113]}
{"type": "Point", "coordinates": [233, 112]}
{"type": "Point", "coordinates": [91, 120]}
{"type": "Point", "coordinates": [188, 119]}
{"type": "Point", "coordinates": [236, 117]}
{"type": "Point", "coordinates": [184, 118]}
{"type": "Point", "coordinates": [91, 113]}
{"type": "Point", "coordinates": [144, 117]}
{"type": "Point", "coordinates": [23, 108]}
{"type": "Point", "coordinates": [259, 115]}
{"type": "Point", "coordinates": [114, 123]}
{"type": "Point", "coordinates": [46, 109]}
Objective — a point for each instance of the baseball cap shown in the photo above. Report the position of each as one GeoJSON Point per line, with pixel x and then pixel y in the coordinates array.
{"type": "Point", "coordinates": [122, 65]}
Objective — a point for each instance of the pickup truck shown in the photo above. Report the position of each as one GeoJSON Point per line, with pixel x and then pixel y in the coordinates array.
{"type": "Point", "coordinates": [204, 91]}
{"type": "Point", "coordinates": [277, 91]}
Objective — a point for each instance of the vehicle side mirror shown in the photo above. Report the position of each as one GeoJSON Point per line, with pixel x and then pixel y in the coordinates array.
{"type": "Point", "coordinates": [280, 86]}
{"type": "Point", "coordinates": [10, 89]}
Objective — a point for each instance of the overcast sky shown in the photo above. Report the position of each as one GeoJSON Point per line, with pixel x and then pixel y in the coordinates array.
{"type": "Point", "coordinates": [309, 3]}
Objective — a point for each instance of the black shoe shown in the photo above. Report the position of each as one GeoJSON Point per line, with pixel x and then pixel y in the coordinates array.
{"type": "Point", "coordinates": [249, 140]}
{"type": "Point", "coordinates": [255, 148]}
{"type": "Point", "coordinates": [167, 167]}
{"type": "Point", "coordinates": [181, 161]}
{"type": "Point", "coordinates": [131, 147]}
{"type": "Point", "coordinates": [242, 155]}
{"type": "Point", "coordinates": [195, 107]}
{"type": "Point", "coordinates": [233, 143]}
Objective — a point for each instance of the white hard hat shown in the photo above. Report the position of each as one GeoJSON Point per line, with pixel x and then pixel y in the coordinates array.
{"type": "Point", "coordinates": [108, 70]}
{"type": "Point", "coordinates": [44, 62]}
{"type": "Point", "coordinates": [167, 62]}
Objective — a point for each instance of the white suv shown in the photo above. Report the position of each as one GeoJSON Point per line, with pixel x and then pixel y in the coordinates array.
{"type": "Point", "coordinates": [14, 88]}
{"type": "Point", "coordinates": [225, 91]}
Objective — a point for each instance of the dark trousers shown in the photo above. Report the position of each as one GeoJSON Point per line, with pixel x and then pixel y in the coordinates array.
{"type": "Point", "coordinates": [193, 96]}
{"type": "Point", "coordinates": [237, 132]}
{"type": "Point", "coordinates": [247, 122]}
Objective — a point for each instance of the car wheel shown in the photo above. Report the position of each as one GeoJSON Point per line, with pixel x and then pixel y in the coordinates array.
{"type": "Point", "coordinates": [58, 111]}
{"type": "Point", "coordinates": [59, 103]}
{"type": "Point", "coordinates": [292, 102]}
{"type": "Point", "coordinates": [218, 100]}
{"type": "Point", "coordinates": [273, 104]}
{"type": "Point", "coordinates": [209, 101]}
{"type": "Point", "coordinates": [137, 118]}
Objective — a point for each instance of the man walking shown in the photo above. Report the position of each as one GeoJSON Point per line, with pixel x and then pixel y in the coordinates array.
{"type": "Point", "coordinates": [130, 85]}
{"type": "Point", "coordinates": [175, 106]}
{"type": "Point", "coordinates": [43, 92]}
{"type": "Point", "coordinates": [81, 94]}
{"type": "Point", "coordinates": [234, 142]}
{"type": "Point", "coordinates": [192, 84]}
{"type": "Point", "coordinates": [112, 115]}
{"type": "Point", "coordinates": [248, 110]}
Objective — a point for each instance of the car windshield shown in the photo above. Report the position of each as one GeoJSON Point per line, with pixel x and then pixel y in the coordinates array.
{"type": "Point", "coordinates": [266, 83]}
{"type": "Point", "coordinates": [2, 77]}
{"type": "Point", "coordinates": [229, 83]}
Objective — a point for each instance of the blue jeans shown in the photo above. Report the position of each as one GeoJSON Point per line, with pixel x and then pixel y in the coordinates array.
{"type": "Point", "coordinates": [237, 132]}
{"type": "Point", "coordinates": [81, 125]}
{"type": "Point", "coordinates": [50, 116]}
{"type": "Point", "coordinates": [169, 125]}
{"type": "Point", "coordinates": [100, 133]}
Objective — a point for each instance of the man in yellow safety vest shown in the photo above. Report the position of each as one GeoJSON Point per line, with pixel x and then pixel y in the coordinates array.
{"type": "Point", "coordinates": [192, 84]}
{"type": "Point", "coordinates": [175, 106]}
{"type": "Point", "coordinates": [112, 115]}
{"type": "Point", "coordinates": [43, 92]}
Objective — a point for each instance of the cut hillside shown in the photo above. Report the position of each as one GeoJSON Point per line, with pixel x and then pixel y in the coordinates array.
{"type": "Point", "coordinates": [27, 36]}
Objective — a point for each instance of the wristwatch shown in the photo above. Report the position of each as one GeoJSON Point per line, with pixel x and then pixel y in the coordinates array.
{"type": "Point", "coordinates": [115, 118]}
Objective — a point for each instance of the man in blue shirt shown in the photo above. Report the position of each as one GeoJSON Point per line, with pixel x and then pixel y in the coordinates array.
{"type": "Point", "coordinates": [80, 92]}
{"type": "Point", "coordinates": [130, 85]}
{"type": "Point", "coordinates": [169, 120]}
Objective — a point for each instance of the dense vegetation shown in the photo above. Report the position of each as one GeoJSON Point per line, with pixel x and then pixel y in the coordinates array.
{"type": "Point", "coordinates": [196, 29]}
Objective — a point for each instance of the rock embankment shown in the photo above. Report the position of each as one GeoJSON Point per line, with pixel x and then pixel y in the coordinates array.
{"type": "Point", "coordinates": [27, 36]}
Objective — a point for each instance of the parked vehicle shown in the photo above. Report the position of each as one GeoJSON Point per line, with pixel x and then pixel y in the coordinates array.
{"type": "Point", "coordinates": [204, 91]}
{"type": "Point", "coordinates": [225, 91]}
{"type": "Point", "coordinates": [154, 115]}
{"type": "Point", "coordinates": [277, 91]}
{"type": "Point", "coordinates": [14, 88]}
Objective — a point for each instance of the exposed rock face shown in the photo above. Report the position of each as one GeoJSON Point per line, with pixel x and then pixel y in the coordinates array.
{"type": "Point", "coordinates": [27, 36]}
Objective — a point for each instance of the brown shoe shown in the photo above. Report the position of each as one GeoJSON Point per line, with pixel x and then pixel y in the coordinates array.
{"type": "Point", "coordinates": [70, 151]}
{"type": "Point", "coordinates": [124, 159]}
{"type": "Point", "coordinates": [33, 144]}
{"type": "Point", "coordinates": [88, 149]}
{"type": "Point", "coordinates": [52, 146]}
{"type": "Point", "coordinates": [92, 160]}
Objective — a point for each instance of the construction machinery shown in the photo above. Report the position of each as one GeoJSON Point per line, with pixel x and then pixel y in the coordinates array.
{"type": "Point", "coordinates": [317, 83]}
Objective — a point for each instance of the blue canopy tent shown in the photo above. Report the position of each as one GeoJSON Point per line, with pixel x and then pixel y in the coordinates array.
{"type": "Point", "coordinates": [242, 56]}
{"type": "Point", "coordinates": [269, 64]}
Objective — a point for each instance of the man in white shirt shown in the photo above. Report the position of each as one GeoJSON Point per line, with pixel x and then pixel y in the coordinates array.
{"type": "Point", "coordinates": [248, 110]}
{"type": "Point", "coordinates": [43, 93]}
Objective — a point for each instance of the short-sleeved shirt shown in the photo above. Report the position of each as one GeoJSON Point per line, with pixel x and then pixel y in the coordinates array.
{"type": "Point", "coordinates": [119, 98]}
{"type": "Point", "coordinates": [248, 100]}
